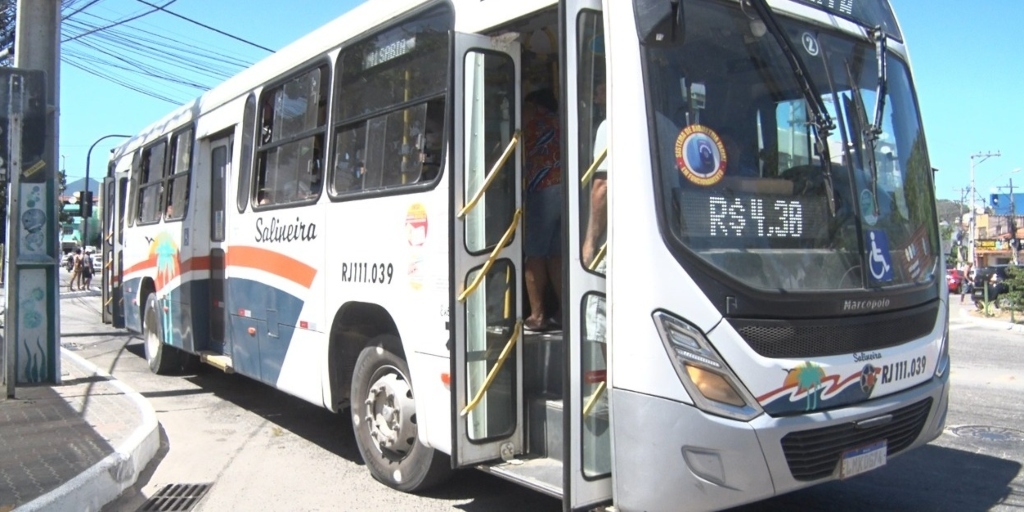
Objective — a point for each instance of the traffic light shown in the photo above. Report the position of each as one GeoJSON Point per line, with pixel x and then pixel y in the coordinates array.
{"type": "Point", "coordinates": [994, 199]}
{"type": "Point", "coordinates": [85, 205]}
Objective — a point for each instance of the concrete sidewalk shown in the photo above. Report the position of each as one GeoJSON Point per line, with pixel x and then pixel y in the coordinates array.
{"type": "Point", "coordinates": [77, 445]}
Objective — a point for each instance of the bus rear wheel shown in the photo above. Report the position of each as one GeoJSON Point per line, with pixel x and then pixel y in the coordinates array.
{"type": "Point", "coordinates": [163, 359]}
{"type": "Point", "coordinates": [384, 421]}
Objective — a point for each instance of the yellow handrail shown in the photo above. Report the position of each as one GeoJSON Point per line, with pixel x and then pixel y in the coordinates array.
{"type": "Point", "coordinates": [494, 255]}
{"type": "Point", "coordinates": [592, 401]}
{"type": "Point", "coordinates": [593, 167]}
{"type": "Point", "coordinates": [598, 257]}
{"type": "Point", "coordinates": [498, 166]}
{"type": "Point", "coordinates": [509, 345]}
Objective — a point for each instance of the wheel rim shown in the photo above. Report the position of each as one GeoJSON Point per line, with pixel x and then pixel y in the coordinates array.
{"type": "Point", "coordinates": [390, 413]}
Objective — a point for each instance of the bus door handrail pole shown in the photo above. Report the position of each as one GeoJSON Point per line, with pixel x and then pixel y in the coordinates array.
{"type": "Point", "coordinates": [494, 256]}
{"type": "Point", "coordinates": [509, 345]}
{"type": "Point", "coordinates": [495, 170]}
{"type": "Point", "coordinates": [593, 167]}
{"type": "Point", "coordinates": [592, 401]}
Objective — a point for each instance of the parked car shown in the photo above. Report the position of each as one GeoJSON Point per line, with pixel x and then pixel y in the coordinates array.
{"type": "Point", "coordinates": [954, 279]}
{"type": "Point", "coordinates": [992, 279]}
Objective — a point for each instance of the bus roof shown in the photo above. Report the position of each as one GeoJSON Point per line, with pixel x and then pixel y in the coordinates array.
{"type": "Point", "coordinates": [471, 16]}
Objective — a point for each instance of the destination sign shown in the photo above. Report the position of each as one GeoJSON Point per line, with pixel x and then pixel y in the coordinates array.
{"type": "Point", "coordinates": [870, 13]}
{"type": "Point", "coordinates": [379, 55]}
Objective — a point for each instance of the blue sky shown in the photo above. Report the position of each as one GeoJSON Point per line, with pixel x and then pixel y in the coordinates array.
{"type": "Point", "coordinates": [92, 107]}
{"type": "Point", "coordinates": [966, 65]}
{"type": "Point", "coordinates": [966, 61]}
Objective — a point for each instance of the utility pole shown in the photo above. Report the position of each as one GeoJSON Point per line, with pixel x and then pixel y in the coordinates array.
{"type": "Point", "coordinates": [960, 256]}
{"type": "Point", "coordinates": [31, 333]}
{"type": "Point", "coordinates": [1012, 224]}
{"type": "Point", "coordinates": [973, 234]}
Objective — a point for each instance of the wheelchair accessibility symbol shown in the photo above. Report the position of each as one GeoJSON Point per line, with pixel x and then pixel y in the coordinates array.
{"type": "Point", "coordinates": [878, 255]}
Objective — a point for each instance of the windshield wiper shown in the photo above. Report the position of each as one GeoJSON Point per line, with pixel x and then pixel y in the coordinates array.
{"type": "Point", "coordinates": [869, 134]}
{"type": "Point", "coordinates": [823, 123]}
{"type": "Point", "coordinates": [881, 43]}
{"type": "Point", "coordinates": [866, 136]}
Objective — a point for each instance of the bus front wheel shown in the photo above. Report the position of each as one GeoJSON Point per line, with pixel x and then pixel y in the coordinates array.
{"type": "Point", "coordinates": [162, 358]}
{"type": "Point", "coordinates": [384, 421]}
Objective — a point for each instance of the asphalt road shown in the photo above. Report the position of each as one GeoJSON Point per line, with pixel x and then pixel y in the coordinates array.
{"type": "Point", "coordinates": [263, 450]}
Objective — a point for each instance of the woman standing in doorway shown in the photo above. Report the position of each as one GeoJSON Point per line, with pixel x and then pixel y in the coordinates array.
{"type": "Point", "coordinates": [543, 237]}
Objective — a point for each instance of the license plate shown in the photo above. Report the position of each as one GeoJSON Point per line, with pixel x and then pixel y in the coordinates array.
{"type": "Point", "coordinates": [862, 460]}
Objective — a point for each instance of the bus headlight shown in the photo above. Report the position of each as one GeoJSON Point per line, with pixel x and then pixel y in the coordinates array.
{"type": "Point", "coordinates": [943, 364]}
{"type": "Point", "coordinates": [709, 381]}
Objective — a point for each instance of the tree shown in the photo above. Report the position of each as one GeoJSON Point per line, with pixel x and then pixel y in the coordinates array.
{"type": "Point", "coordinates": [62, 184]}
{"type": "Point", "coordinates": [950, 212]}
{"type": "Point", "coordinates": [946, 232]}
{"type": "Point", "coordinates": [1015, 289]}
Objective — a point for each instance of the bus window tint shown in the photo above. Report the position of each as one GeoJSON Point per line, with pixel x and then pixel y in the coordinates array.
{"type": "Point", "coordinates": [178, 182]}
{"type": "Point", "coordinates": [151, 173]}
{"type": "Point", "coordinates": [402, 147]}
{"type": "Point", "coordinates": [390, 107]}
{"type": "Point", "coordinates": [244, 169]}
{"type": "Point", "coordinates": [291, 139]}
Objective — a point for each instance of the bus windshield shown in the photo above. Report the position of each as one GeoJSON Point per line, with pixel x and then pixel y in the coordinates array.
{"type": "Point", "coordinates": [743, 184]}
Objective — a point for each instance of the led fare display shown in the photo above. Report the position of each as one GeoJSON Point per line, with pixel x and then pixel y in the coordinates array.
{"type": "Point", "coordinates": [753, 216]}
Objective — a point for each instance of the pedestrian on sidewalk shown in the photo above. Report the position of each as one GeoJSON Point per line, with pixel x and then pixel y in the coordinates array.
{"type": "Point", "coordinates": [967, 287]}
{"type": "Point", "coordinates": [86, 272]}
{"type": "Point", "coordinates": [76, 269]}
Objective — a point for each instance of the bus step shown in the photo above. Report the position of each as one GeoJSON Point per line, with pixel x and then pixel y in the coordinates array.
{"type": "Point", "coordinates": [216, 360]}
{"type": "Point", "coordinates": [545, 428]}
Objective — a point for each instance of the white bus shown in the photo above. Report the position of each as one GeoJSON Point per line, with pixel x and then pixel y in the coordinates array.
{"type": "Point", "coordinates": [741, 242]}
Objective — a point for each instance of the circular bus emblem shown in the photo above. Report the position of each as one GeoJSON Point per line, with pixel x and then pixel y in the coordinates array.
{"type": "Point", "coordinates": [810, 44]}
{"type": "Point", "coordinates": [700, 155]}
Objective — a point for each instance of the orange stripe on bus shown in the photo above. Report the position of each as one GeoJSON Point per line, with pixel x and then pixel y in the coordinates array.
{"type": "Point", "coordinates": [191, 264]}
{"type": "Point", "coordinates": [195, 263]}
{"type": "Point", "coordinates": [142, 265]}
{"type": "Point", "coordinates": [272, 262]}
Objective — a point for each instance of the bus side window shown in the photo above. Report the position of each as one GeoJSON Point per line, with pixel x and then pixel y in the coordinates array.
{"type": "Point", "coordinates": [432, 146]}
{"type": "Point", "coordinates": [293, 126]}
{"type": "Point", "coordinates": [151, 186]}
{"type": "Point", "coordinates": [350, 165]}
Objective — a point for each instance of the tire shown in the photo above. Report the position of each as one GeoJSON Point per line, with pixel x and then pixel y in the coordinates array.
{"type": "Point", "coordinates": [190, 363]}
{"type": "Point", "coordinates": [384, 421]}
{"type": "Point", "coordinates": [163, 359]}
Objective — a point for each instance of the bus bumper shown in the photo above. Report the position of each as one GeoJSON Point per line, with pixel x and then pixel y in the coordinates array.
{"type": "Point", "coordinates": [672, 456]}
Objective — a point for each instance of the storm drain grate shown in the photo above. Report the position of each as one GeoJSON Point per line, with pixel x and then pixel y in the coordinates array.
{"type": "Point", "coordinates": [175, 498]}
{"type": "Point", "coordinates": [989, 433]}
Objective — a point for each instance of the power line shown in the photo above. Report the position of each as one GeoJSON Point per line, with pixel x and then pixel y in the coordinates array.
{"type": "Point", "coordinates": [80, 9]}
{"type": "Point", "coordinates": [119, 22]}
{"type": "Point", "coordinates": [171, 70]}
{"type": "Point", "coordinates": [206, 26]}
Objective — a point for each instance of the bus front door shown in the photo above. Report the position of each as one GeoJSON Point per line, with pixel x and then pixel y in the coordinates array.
{"type": "Point", "coordinates": [587, 454]}
{"type": "Point", "coordinates": [487, 397]}
{"type": "Point", "coordinates": [115, 194]}
{"type": "Point", "coordinates": [220, 165]}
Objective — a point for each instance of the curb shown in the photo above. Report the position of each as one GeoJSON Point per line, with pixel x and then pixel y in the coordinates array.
{"type": "Point", "coordinates": [995, 324]}
{"type": "Point", "coordinates": [108, 478]}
